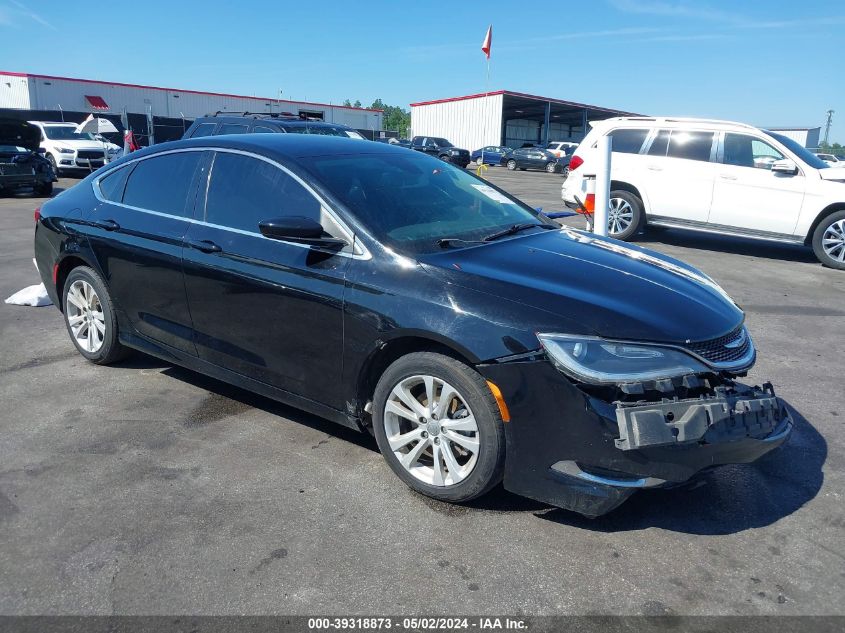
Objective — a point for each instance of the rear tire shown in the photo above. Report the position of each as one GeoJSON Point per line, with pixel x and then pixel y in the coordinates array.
{"type": "Point", "coordinates": [626, 215]}
{"type": "Point", "coordinates": [89, 317]}
{"type": "Point", "coordinates": [471, 438]}
{"type": "Point", "coordinates": [551, 167]}
{"type": "Point", "coordinates": [43, 189]}
{"type": "Point", "coordinates": [829, 241]}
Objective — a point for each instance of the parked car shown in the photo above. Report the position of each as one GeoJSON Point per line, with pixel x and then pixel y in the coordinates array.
{"type": "Point", "coordinates": [69, 150]}
{"type": "Point", "coordinates": [257, 123]}
{"type": "Point", "coordinates": [561, 149]}
{"type": "Point", "coordinates": [492, 155]}
{"type": "Point", "coordinates": [833, 161]}
{"type": "Point", "coordinates": [396, 294]}
{"type": "Point", "coordinates": [534, 158]}
{"type": "Point", "coordinates": [441, 148]}
{"type": "Point", "coordinates": [718, 177]}
{"type": "Point", "coordinates": [22, 164]}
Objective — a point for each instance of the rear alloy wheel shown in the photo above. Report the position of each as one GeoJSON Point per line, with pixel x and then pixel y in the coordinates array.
{"type": "Point", "coordinates": [511, 165]}
{"type": "Point", "coordinates": [89, 317]}
{"type": "Point", "coordinates": [551, 167]}
{"type": "Point", "coordinates": [439, 427]}
{"type": "Point", "coordinates": [829, 240]}
{"type": "Point", "coordinates": [625, 215]}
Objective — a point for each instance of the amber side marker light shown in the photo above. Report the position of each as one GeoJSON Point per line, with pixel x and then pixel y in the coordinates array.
{"type": "Point", "coordinates": [503, 407]}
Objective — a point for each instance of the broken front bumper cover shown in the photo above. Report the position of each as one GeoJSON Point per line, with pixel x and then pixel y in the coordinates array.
{"type": "Point", "coordinates": [579, 452]}
{"type": "Point", "coordinates": [730, 414]}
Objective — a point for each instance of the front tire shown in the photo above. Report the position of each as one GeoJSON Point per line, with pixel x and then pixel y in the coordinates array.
{"type": "Point", "coordinates": [625, 216]}
{"type": "Point", "coordinates": [438, 427]}
{"type": "Point", "coordinates": [829, 241]}
{"type": "Point", "coordinates": [51, 159]}
{"type": "Point", "coordinates": [90, 318]}
{"type": "Point", "coordinates": [43, 189]}
{"type": "Point", "coordinates": [511, 165]}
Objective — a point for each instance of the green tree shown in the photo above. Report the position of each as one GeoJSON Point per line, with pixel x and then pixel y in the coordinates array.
{"type": "Point", "coordinates": [357, 104]}
{"type": "Point", "coordinates": [395, 118]}
{"type": "Point", "coordinates": [347, 103]}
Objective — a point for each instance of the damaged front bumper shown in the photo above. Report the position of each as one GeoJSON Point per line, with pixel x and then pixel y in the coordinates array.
{"type": "Point", "coordinates": [580, 452]}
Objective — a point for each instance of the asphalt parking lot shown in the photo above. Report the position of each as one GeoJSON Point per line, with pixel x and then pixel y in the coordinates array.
{"type": "Point", "coordinates": [144, 488]}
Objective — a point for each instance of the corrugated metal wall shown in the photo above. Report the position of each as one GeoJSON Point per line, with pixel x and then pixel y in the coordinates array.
{"type": "Point", "coordinates": [467, 123]}
{"type": "Point", "coordinates": [14, 91]}
{"type": "Point", "coordinates": [42, 93]}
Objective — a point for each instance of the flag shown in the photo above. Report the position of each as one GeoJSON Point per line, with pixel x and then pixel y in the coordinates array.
{"type": "Point", "coordinates": [488, 41]}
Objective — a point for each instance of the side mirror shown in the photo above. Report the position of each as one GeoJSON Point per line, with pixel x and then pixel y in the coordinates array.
{"type": "Point", "coordinates": [300, 230]}
{"type": "Point", "coordinates": [41, 150]}
{"type": "Point", "coordinates": [785, 166]}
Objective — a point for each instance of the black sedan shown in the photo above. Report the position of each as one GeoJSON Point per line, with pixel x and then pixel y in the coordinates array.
{"type": "Point", "coordinates": [534, 158]}
{"type": "Point", "coordinates": [22, 165]}
{"type": "Point", "coordinates": [397, 294]}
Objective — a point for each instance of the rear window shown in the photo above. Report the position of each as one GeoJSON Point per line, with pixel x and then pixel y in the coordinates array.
{"type": "Point", "coordinates": [628, 141]}
{"type": "Point", "coordinates": [161, 183]}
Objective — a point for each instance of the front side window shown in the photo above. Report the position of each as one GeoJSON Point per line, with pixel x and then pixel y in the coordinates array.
{"type": "Point", "coordinates": [742, 150]}
{"type": "Point", "coordinates": [690, 145]}
{"type": "Point", "coordinates": [245, 191]}
{"type": "Point", "coordinates": [800, 151]}
{"type": "Point", "coordinates": [410, 202]}
{"type": "Point", "coordinates": [660, 144]}
{"type": "Point", "coordinates": [260, 129]}
{"type": "Point", "coordinates": [628, 141]}
{"type": "Point", "coordinates": [203, 129]}
{"type": "Point", "coordinates": [162, 183]}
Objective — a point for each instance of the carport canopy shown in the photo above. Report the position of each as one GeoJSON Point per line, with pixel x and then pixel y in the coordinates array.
{"type": "Point", "coordinates": [553, 119]}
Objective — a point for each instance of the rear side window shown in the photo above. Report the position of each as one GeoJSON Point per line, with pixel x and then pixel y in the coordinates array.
{"type": "Point", "coordinates": [690, 145]}
{"type": "Point", "coordinates": [245, 191]}
{"type": "Point", "coordinates": [628, 141]}
{"type": "Point", "coordinates": [111, 187]}
{"type": "Point", "coordinates": [232, 128]}
{"type": "Point", "coordinates": [659, 144]}
{"type": "Point", "coordinates": [260, 129]}
{"type": "Point", "coordinates": [203, 129]}
{"type": "Point", "coordinates": [162, 183]}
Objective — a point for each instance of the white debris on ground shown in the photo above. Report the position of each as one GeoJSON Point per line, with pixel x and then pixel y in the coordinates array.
{"type": "Point", "coordinates": [31, 296]}
{"type": "Point", "coordinates": [35, 296]}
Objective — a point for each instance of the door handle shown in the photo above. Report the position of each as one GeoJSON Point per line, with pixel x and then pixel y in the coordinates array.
{"type": "Point", "coordinates": [106, 225]}
{"type": "Point", "coordinates": [727, 177]}
{"type": "Point", "coordinates": [655, 168]}
{"type": "Point", "coordinates": [204, 245]}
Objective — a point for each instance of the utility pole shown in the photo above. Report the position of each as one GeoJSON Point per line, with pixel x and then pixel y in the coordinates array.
{"type": "Point", "coordinates": [827, 126]}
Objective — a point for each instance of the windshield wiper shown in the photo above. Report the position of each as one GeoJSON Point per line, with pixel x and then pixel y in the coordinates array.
{"type": "Point", "coordinates": [516, 228]}
{"type": "Point", "coordinates": [446, 242]}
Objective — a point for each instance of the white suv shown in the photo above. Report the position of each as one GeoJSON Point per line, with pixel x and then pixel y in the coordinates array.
{"type": "Point", "coordinates": [718, 177]}
{"type": "Point", "coordinates": [67, 149]}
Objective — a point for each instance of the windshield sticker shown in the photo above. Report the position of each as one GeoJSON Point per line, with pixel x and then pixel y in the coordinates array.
{"type": "Point", "coordinates": [494, 195]}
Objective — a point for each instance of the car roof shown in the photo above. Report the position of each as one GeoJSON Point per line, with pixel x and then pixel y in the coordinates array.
{"type": "Point", "coordinates": [280, 146]}
{"type": "Point", "coordinates": [61, 123]}
{"type": "Point", "coordinates": [281, 121]}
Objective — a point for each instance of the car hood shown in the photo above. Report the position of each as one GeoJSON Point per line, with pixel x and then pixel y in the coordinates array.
{"type": "Point", "coordinates": [613, 289]}
{"type": "Point", "coordinates": [77, 145]}
{"type": "Point", "coordinates": [833, 174]}
{"type": "Point", "coordinates": [13, 132]}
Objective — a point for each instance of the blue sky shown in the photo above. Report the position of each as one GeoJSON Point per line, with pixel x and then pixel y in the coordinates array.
{"type": "Point", "coordinates": [770, 62]}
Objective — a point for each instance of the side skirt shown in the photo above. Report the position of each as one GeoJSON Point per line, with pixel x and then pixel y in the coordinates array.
{"type": "Point", "coordinates": [721, 229]}
{"type": "Point", "coordinates": [193, 363]}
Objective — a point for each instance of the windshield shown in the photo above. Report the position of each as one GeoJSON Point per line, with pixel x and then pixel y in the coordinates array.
{"type": "Point", "coordinates": [65, 133]}
{"type": "Point", "coordinates": [799, 150]}
{"type": "Point", "coordinates": [442, 142]}
{"type": "Point", "coordinates": [410, 201]}
{"type": "Point", "coordinates": [12, 148]}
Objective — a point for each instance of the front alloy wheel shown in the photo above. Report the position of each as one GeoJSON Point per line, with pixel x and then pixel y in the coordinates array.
{"type": "Point", "coordinates": [431, 430]}
{"type": "Point", "coordinates": [512, 165]}
{"type": "Point", "coordinates": [829, 240]}
{"type": "Point", "coordinates": [439, 427]}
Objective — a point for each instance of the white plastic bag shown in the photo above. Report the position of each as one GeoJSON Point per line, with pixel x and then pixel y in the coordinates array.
{"type": "Point", "coordinates": [30, 296]}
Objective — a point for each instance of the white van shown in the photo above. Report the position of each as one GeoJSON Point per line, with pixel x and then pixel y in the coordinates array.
{"type": "Point", "coordinates": [715, 176]}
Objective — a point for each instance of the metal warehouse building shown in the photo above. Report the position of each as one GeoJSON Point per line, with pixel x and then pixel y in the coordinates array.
{"type": "Point", "coordinates": [807, 136]}
{"type": "Point", "coordinates": [45, 97]}
{"type": "Point", "coordinates": [505, 118]}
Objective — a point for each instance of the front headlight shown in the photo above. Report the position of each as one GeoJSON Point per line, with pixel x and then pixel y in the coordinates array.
{"type": "Point", "coordinates": [599, 361]}
{"type": "Point", "coordinates": [65, 150]}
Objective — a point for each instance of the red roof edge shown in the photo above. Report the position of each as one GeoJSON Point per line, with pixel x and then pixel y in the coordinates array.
{"type": "Point", "coordinates": [475, 96]}
{"type": "Point", "coordinates": [195, 92]}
